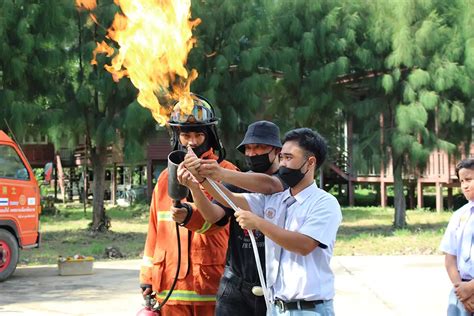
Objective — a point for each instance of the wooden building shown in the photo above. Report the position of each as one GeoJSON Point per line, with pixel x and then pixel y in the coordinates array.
{"type": "Point", "coordinates": [439, 173]}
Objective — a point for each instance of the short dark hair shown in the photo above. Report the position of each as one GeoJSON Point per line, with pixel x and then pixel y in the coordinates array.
{"type": "Point", "coordinates": [467, 163]}
{"type": "Point", "coordinates": [310, 141]}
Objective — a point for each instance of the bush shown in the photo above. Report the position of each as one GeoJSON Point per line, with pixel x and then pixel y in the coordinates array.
{"type": "Point", "coordinates": [47, 206]}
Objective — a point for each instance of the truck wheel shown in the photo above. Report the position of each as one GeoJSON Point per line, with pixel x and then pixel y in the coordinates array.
{"type": "Point", "coordinates": [8, 254]}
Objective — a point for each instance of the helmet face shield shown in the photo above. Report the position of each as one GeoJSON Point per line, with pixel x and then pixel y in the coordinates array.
{"type": "Point", "coordinates": [201, 114]}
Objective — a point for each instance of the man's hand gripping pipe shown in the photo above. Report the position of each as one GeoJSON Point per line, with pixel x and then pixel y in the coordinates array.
{"type": "Point", "coordinates": [252, 240]}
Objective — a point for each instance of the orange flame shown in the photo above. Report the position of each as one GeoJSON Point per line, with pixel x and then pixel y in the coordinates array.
{"type": "Point", "coordinates": [155, 37]}
{"type": "Point", "coordinates": [86, 4]}
{"type": "Point", "coordinates": [102, 48]}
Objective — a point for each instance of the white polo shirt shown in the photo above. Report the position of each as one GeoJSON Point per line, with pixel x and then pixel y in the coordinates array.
{"type": "Point", "coordinates": [454, 238]}
{"type": "Point", "coordinates": [315, 213]}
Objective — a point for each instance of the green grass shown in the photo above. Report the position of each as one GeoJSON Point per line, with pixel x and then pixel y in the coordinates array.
{"type": "Point", "coordinates": [369, 231]}
{"type": "Point", "coordinates": [364, 231]}
{"type": "Point", "coordinates": [67, 234]}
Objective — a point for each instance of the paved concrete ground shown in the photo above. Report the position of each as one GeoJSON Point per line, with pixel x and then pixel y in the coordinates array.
{"type": "Point", "coordinates": [387, 285]}
{"type": "Point", "coordinates": [391, 285]}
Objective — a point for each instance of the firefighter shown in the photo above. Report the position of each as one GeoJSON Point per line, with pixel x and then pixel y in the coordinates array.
{"type": "Point", "coordinates": [202, 255]}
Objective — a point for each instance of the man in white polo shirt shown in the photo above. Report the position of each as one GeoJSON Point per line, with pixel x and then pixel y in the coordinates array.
{"type": "Point", "coordinates": [300, 226]}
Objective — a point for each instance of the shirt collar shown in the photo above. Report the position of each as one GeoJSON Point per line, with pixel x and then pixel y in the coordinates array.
{"type": "Point", "coordinates": [470, 206]}
{"type": "Point", "coordinates": [304, 194]}
{"type": "Point", "coordinates": [467, 208]}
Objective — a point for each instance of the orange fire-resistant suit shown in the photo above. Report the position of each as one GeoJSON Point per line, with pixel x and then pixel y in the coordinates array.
{"type": "Point", "coordinates": [202, 256]}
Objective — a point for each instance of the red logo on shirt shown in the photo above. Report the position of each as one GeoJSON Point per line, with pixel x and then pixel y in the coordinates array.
{"type": "Point", "coordinates": [270, 213]}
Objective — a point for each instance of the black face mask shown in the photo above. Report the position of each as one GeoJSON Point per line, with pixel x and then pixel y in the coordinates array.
{"type": "Point", "coordinates": [291, 176]}
{"type": "Point", "coordinates": [259, 163]}
{"type": "Point", "coordinates": [201, 149]}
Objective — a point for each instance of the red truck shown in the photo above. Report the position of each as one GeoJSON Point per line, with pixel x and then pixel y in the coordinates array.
{"type": "Point", "coordinates": [20, 205]}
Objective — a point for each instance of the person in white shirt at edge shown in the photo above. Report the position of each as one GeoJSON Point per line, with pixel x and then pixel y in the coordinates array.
{"type": "Point", "coordinates": [300, 226]}
{"type": "Point", "coordinates": [457, 246]}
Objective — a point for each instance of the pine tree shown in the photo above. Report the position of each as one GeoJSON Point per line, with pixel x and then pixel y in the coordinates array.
{"type": "Point", "coordinates": [231, 57]}
{"type": "Point", "coordinates": [420, 83]}
{"type": "Point", "coordinates": [96, 106]}
{"type": "Point", "coordinates": [312, 44]}
{"type": "Point", "coordinates": [32, 62]}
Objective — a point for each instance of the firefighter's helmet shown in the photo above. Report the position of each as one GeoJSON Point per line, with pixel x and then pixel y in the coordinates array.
{"type": "Point", "coordinates": [202, 118]}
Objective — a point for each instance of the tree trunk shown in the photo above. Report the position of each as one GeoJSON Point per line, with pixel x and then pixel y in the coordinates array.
{"type": "Point", "coordinates": [411, 196]}
{"type": "Point", "coordinates": [450, 198]}
{"type": "Point", "coordinates": [100, 222]}
{"type": "Point", "coordinates": [399, 198]}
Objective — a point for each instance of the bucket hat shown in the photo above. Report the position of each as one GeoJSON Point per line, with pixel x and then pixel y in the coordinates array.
{"type": "Point", "coordinates": [261, 132]}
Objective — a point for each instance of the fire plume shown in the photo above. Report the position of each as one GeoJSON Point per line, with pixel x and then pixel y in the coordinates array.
{"type": "Point", "coordinates": [154, 39]}
{"type": "Point", "coordinates": [102, 48]}
{"type": "Point", "coordinates": [86, 4]}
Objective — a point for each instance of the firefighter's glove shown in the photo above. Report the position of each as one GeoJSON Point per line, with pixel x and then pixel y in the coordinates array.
{"type": "Point", "coordinates": [182, 215]}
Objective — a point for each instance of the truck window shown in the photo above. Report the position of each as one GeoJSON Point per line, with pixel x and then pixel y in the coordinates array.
{"type": "Point", "coordinates": [11, 166]}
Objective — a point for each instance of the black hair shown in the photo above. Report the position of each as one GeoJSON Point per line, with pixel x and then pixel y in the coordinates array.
{"type": "Point", "coordinates": [310, 141]}
{"type": "Point", "coordinates": [467, 163]}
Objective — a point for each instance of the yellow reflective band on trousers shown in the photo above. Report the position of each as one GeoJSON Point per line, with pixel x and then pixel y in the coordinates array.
{"type": "Point", "coordinates": [204, 228]}
{"type": "Point", "coordinates": [165, 216]}
{"type": "Point", "coordinates": [184, 295]}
